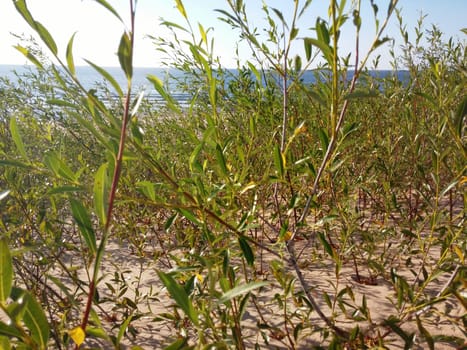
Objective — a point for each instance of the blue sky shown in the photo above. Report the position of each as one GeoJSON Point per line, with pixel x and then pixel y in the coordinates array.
{"type": "Point", "coordinates": [98, 32]}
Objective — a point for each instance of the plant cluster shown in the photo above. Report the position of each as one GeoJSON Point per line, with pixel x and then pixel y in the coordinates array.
{"type": "Point", "coordinates": [265, 213]}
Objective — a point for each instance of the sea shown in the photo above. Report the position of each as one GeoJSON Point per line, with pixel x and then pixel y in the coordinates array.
{"type": "Point", "coordinates": [90, 78]}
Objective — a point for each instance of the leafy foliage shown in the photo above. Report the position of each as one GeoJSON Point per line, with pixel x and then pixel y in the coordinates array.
{"type": "Point", "coordinates": [238, 198]}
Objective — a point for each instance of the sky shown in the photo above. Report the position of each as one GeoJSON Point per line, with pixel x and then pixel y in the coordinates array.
{"type": "Point", "coordinates": [98, 32]}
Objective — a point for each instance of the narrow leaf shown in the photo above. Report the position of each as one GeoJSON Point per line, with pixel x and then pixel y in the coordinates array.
{"type": "Point", "coordinates": [327, 247]}
{"type": "Point", "coordinates": [29, 56]}
{"type": "Point", "coordinates": [159, 86]}
{"type": "Point", "coordinates": [23, 10]}
{"type": "Point", "coordinates": [240, 290]}
{"type": "Point", "coordinates": [181, 8]}
{"type": "Point", "coordinates": [179, 344]}
{"type": "Point", "coordinates": [6, 271]}
{"type": "Point", "coordinates": [279, 161]}
{"type": "Point", "coordinates": [83, 220]}
{"type": "Point", "coordinates": [125, 55]}
{"type": "Point", "coordinates": [4, 342]}
{"type": "Point", "coordinates": [247, 251]}
{"type": "Point", "coordinates": [65, 189]}
{"type": "Point", "coordinates": [46, 37]}
{"type": "Point", "coordinates": [123, 328]}
{"type": "Point", "coordinates": [202, 32]}
{"type": "Point", "coordinates": [361, 94]}
{"type": "Point", "coordinates": [59, 167]}
{"type": "Point", "coordinates": [101, 187]}
{"type": "Point", "coordinates": [17, 138]}
{"type": "Point", "coordinates": [325, 48]}
{"type": "Point", "coordinates": [34, 317]}
{"type": "Point", "coordinates": [9, 331]}
{"type": "Point", "coordinates": [193, 160]}
{"type": "Point", "coordinates": [190, 216]}
{"type": "Point", "coordinates": [307, 45]}
{"type": "Point", "coordinates": [110, 8]}
{"type": "Point", "coordinates": [69, 55]}
{"type": "Point", "coordinates": [107, 76]}
{"type": "Point", "coordinates": [180, 296]}
{"type": "Point", "coordinates": [221, 161]}
{"type": "Point", "coordinates": [460, 116]}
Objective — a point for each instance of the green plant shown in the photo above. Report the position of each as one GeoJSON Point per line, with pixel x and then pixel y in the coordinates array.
{"type": "Point", "coordinates": [265, 206]}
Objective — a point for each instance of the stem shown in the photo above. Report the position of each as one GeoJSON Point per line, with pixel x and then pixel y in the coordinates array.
{"type": "Point", "coordinates": [113, 188]}
{"type": "Point", "coordinates": [335, 71]}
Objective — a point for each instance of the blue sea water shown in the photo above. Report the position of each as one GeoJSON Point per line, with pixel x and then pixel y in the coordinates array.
{"type": "Point", "coordinates": [90, 78]}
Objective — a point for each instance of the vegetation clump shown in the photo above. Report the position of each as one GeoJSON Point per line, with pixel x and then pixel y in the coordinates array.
{"type": "Point", "coordinates": [265, 212]}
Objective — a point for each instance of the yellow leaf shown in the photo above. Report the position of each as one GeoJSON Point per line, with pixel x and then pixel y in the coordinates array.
{"type": "Point", "coordinates": [459, 253]}
{"type": "Point", "coordinates": [199, 278]}
{"type": "Point", "coordinates": [78, 335]}
{"type": "Point", "coordinates": [286, 237]}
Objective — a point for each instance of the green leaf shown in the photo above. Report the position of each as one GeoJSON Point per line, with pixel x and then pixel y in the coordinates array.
{"type": "Point", "coordinates": [298, 63]}
{"type": "Point", "coordinates": [17, 138]}
{"type": "Point", "coordinates": [22, 8]}
{"type": "Point", "coordinates": [247, 251]}
{"type": "Point", "coordinates": [4, 342]}
{"type": "Point", "coordinates": [15, 163]}
{"type": "Point", "coordinates": [123, 328]}
{"type": "Point", "coordinates": [180, 296]}
{"type": "Point", "coordinates": [240, 290]}
{"type": "Point", "coordinates": [159, 86]}
{"type": "Point", "coordinates": [101, 188]}
{"type": "Point", "coordinates": [221, 161]}
{"type": "Point", "coordinates": [6, 271]}
{"type": "Point", "coordinates": [65, 189]}
{"type": "Point", "coordinates": [326, 245]}
{"type": "Point", "coordinates": [174, 25]}
{"type": "Point", "coordinates": [428, 337]}
{"type": "Point", "coordinates": [82, 218]}
{"type": "Point", "coordinates": [107, 76]}
{"type": "Point", "coordinates": [357, 20]}
{"type": "Point", "coordinates": [61, 103]}
{"type": "Point", "coordinates": [179, 344]}
{"type": "Point", "coordinates": [308, 51]}
{"type": "Point", "coordinates": [193, 160]}
{"type": "Point", "coordinates": [279, 161]}
{"type": "Point", "coordinates": [238, 5]}
{"type": "Point", "coordinates": [9, 331]}
{"type": "Point", "coordinates": [280, 16]}
{"type": "Point", "coordinates": [34, 317]}
{"type": "Point", "coordinates": [323, 136]}
{"type": "Point", "coordinates": [125, 55]}
{"type": "Point", "coordinates": [148, 189]}
{"type": "Point", "coordinates": [361, 94]}
{"type": "Point", "coordinates": [202, 32]}
{"type": "Point", "coordinates": [392, 323]}
{"type": "Point", "coordinates": [69, 55]}
{"type": "Point", "coordinates": [380, 42]}
{"type": "Point", "coordinates": [29, 56]}
{"type": "Point", "coordinates": [322, 32]}
{"type": "Point", "coordinates": [59, 167]}
{"type": "Point", "coordinates": [190, 216]}
{"type": "Point", "coordinates": [460, 115]}
{"type": "Point", "coordinates": [110, 8]}
{"type": "Point", "coordinates": [464, 30]}
{"type": "Point", "coordinates": [325, 48]}
{"type": "Point", "coordinates": [293, 33]}
{"type": "Point", "coordinates": [46, 38]}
